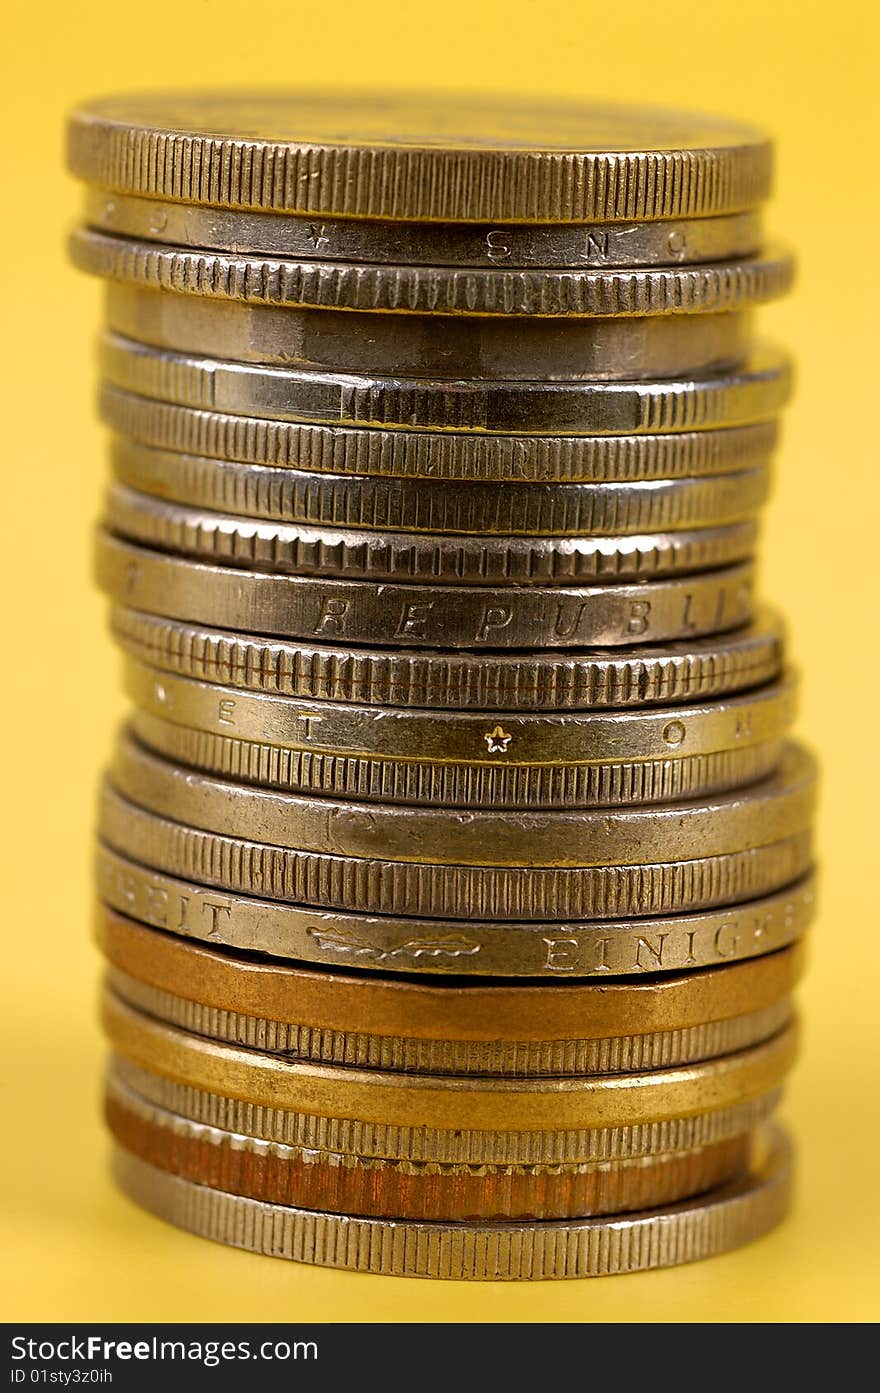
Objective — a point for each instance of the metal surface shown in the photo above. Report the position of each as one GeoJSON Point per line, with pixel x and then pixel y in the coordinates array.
{"type": "Point", "coordinates": [426, 345]}
{"type": "Point", "coordinates": [375, 885]}
{"type": "Point", "coordinates": [597, 293]}
{"type": "Point", "coordinates": [495, 458]}
{"type": "Point", "coordinates": [419, 615]}
{"type": "Point", "coordinates": [492, 515]}
{"type": "Point", "coordinates": [435, 1146]}
{"type": "Point", "coordinates": [755, 392]}
{"type": "Point", "coordinates": [445, 1101]}
{"type": "Point", "coordinates": [460, 759]}
{"type": "Point", "coordinates": [638, 675]}
{"type": "Point", "coordinates": [551, 950]}
{"type": "Point", "coordinates": [674, 243]}
{"type": "Point", "coordinates": [338, 1183]}
{"type": "Point", "coordinates": [460, 158]}
{"type": "Point", "coordinates": [724, 1218]}
{"type": "Point", "coordinates": [742, 820]}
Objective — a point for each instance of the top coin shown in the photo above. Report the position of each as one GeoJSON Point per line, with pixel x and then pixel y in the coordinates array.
{"type": "Point", "coordinates": [432, 157]}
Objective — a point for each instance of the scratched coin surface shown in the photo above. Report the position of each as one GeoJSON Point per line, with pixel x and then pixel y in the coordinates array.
{"type": "Point", "coordinates": [375, 885]}
{"type": "Point", "coordinates": [735, 821]}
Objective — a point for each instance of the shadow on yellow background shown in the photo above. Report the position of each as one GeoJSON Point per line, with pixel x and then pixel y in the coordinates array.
{"type": "Point", "coordinates": [75, 1250]}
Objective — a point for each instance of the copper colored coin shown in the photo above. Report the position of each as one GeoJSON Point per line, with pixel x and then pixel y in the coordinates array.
{"type": "Point", "coordinates": [339, 1183]}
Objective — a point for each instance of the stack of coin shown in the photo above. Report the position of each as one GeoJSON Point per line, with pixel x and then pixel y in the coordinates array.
{"type": "Point", "coordinates": [454, 862]}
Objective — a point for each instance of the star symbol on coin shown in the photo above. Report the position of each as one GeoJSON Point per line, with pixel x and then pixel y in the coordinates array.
{"type": "Point", "coordinates": [498, 741]}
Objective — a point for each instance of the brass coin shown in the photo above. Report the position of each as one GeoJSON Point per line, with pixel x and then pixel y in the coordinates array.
{"type": "Point", "coordinates": [723, 1218]}
{"type": "Point", "coordinates": [337, 1183]}
{"type": "Point", "coordinates": [436, 1146]}
{"type": "Point", "coordinates": [670, 243]}
{"type": "Point", "coordinates": [518, 459]}
{"type": "Point", "coordinates": [446, 1101]}
{"type": "Point", "coordinates": [553, 682]}
{"type": "Point", "coordinates": [473, 158]}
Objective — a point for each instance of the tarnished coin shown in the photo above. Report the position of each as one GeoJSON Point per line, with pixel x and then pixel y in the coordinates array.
{"type": "Point", "coordinates": [338, 1183]}
{"type": "Point", "coordinates": [723, 1218]}
{"type": "Point", "coordinates": [496, 512]}
{"type": "Point", "coordinates": [375, 885]}
{"type": "Point", "coordinates": [639, 675]}
{"type": "Point", "coordinates": [755, 392]}
{"type": "Point", "coordinates": [371, 286]}
{"type": "Point", "coordinates": [446, 1101]}
{"type": "Point", "coordinates": [461, 759]}
{"type": "Point", "coordinates": [469, 158]}
{"type": "Point", "coordinates": [772, 810]}
{"type": "Point", "coordinates": [496, 1030]}
{"type": "Point", "coordinates": [552, 950]}
{"type": "Point", "coordinates": [421, 615]}
{"type": "Point", "coordinates": [397, 454]}
{"type": "Point", "coordinates": [438, 1147]}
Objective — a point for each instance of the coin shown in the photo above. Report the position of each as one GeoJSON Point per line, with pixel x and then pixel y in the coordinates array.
{"type": "Point", "coordinates": [426, 345]}
{"type": "Point", "coordinates": [742, 820]}
{"type": "Point", "coordinates": [331, 1181]}
{"type": "Point", "coordinates": [505, 1059]}
{"type": "Point", "coordinates": [438, 558]}
{"type": "Point", "coordinates": [713, 1223]}
{"type": "Point", "coordinates": [532, 681]}
{"type": "Point", "coordinates": [262, 280]}
{"type": "Point", "coordinates": [684, 240]}
{"type": "Point", "coordinates": [754, 392]}
{"type": "Point", "coordinates": [334, 1003]}
{"type": "Point", "coordinates": [460, 759]}
{"type": "Point", "coordinates": [499, 514]}
{"type": "Point", "coordinates": [441, 454]}
{"type": "Point", "coordinates": [374, 885]}
{"type": "Point", "coordinates": [420, 615]}
{"type": "Point", "coordinates": [445, 1101]}
{"type": "Point", "coordinates": [550, 950]}
{"type": "Point", "coordinates": [436, 1146]}
{"type": "Point", "coordinates": [404, 156]}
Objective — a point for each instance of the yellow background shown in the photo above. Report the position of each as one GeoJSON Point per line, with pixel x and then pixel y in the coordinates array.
{"type": "Point", "coordinates": [73, 1248]}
